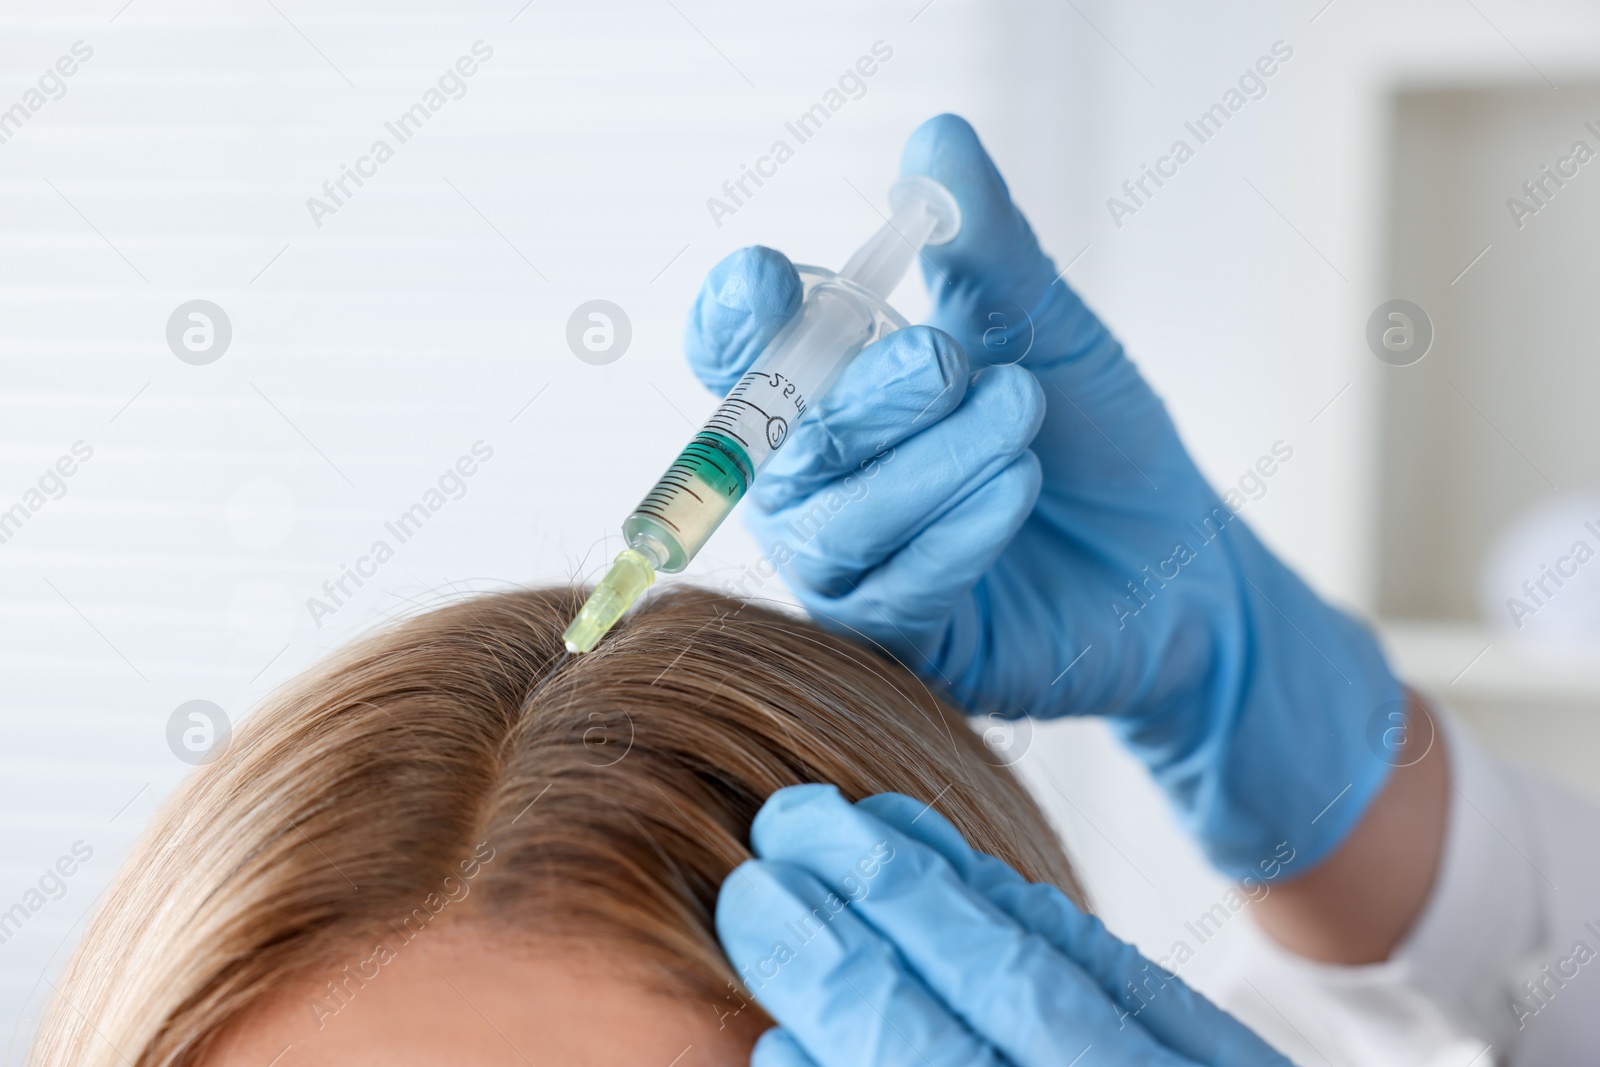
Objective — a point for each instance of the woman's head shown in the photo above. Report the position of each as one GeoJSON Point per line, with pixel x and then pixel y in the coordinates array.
{"type": "Point", "coordinates": [450, 813]}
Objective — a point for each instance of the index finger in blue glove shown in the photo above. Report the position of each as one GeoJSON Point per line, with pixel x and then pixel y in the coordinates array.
{"type": "Point", "coordinates": [897, 605]}
{"type": "Point", "coordinates": [1010, 985]}
{"type": "Point", "coordinates": [890, 392]}
{"type": "Point", "coordinates": [931, 473]}
{"type": "Point", "coordinates": [833, 984]}
{"type": "Point", "coordinates": [1172, 1012]}
{"type": "Point", "coordinates": [778, 1048]}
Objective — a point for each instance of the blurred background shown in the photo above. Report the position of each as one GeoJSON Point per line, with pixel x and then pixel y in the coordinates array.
{"type": "Point", "coordinates": [179, 480]}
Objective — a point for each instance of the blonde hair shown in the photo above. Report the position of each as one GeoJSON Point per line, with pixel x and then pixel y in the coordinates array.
{"type": "Point", "coordinates": [456, 765]}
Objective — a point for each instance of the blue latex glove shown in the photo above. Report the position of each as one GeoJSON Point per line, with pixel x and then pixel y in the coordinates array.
{"type": "Point", "coordinates": [1036, 538]}
{"type": "Point", "coordinates": [942, 956]}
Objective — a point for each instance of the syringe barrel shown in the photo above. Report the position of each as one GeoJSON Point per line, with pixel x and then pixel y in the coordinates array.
{"type": "Point", "coordinates": [839, 315]}
{"type": "Point", "coordinates": [835, 321]}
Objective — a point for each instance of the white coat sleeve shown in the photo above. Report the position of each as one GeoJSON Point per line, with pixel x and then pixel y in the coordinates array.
{"type": "Point", "coordinates": [1502, 966]}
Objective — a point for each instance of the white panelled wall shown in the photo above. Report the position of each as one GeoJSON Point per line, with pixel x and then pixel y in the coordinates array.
{"type": "Point", "coordinates": [427, 315]}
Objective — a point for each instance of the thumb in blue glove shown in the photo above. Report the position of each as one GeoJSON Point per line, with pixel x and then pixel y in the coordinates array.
{"type": "Point", "coordinates": [877, 937]}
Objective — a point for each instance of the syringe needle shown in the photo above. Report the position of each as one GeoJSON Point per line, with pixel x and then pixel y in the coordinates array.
{"type": "Point", "coordinates": [630, 575]}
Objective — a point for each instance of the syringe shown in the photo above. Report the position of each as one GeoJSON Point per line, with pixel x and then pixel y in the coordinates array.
{"type": "Point", "coordinates": [839, 315]}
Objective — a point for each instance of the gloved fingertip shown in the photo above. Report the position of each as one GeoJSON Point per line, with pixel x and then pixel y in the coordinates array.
{"type": "Point", "coordinates": [912, 817]}
{"type": "Point", "coordinates": [1023, 384]}
{"type": "Point", "coordinates": [744, 301]}
{"type": "Point", "coordinates": [947, 149]}
{"type": "Point", "coordinates": [1014, 397]}
{"type": "Point", "coordinates": [894, 389]}
{"type": "Point", "coordinates": [1000, 506]}
{"type": "Point", "coordinates": [756, 899]}
{"type": "Point", "coordinates": [922, 823]}
{"type": "Point", "coordinates": [919, 374]}
{"type": "Point", "coordinates": [794, 796]}
{"type": "Point", "coordinates": [747, 900]}
{"type": "Point", "coordinates": [756, 280]}
{"type": "Point", "coordinates": [994, 264]}
{"type": "Point", "coordinates": [1027, 475]}
{"type": "Point", "coordinates": [788, 801]}
{"type": "Point", "coordinates": [737, 889]}
{"type": "Point", "coordinates": [880, 805]}
{"type": "Point", "coordinates": [778, 1048]}
{"type": "Point", "coordinates": [948, 356]}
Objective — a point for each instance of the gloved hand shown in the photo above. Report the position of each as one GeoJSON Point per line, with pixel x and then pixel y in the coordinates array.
{"type": "Point", "coordinates": [942, 956]}
{"type": "Point", "coordinates": [1035, 538]}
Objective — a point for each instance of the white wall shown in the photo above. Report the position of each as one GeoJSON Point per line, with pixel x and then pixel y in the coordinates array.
{"type": "Point", "coordinates": [370, 353]}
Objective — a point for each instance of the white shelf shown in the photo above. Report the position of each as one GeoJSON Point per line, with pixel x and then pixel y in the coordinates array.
{"type": "Point", "coordinates": [1469, 662]}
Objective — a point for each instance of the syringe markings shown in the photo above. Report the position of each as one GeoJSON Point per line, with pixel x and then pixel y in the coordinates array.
{"type": "Point", "coordinates": [658, 516]}
{"type": "Point", "coordinates": [682, 483]}
{"type": "Point", "coordinates": [727, 423]}
{"type": "Point", "coordinates": [704, 447]}
{"type": "Point", "coordinates": [665, 492]}
{"type": "Point", "coordinates": [722, 411]}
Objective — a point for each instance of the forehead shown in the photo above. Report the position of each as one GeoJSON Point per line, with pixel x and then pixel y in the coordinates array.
{"type": "Point", "coordinates": [460, 996]}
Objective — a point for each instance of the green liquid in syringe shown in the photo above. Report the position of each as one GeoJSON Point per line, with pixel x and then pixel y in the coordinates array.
{"type": "Point", "coordinates": [692, 498]}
